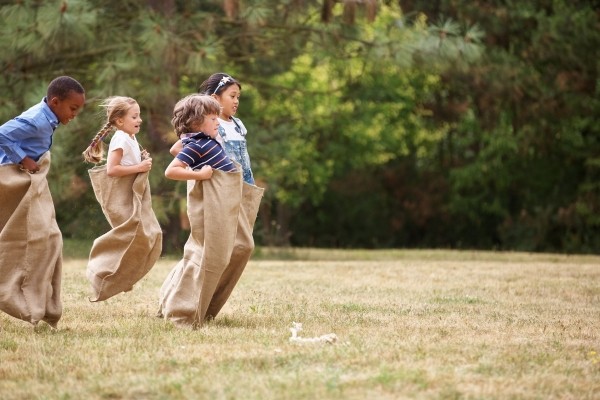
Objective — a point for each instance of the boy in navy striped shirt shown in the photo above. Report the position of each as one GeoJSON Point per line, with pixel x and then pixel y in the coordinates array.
{"type": "Point", "coordinates": [195, 119]}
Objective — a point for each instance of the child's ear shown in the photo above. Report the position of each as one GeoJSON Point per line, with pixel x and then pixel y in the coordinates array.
{"type": "Point", "coordinates": [53, 101]}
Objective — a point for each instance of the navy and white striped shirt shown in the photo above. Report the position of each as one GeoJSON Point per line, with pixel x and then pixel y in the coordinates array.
{"type": "Point", "coordinates": [200, 150]}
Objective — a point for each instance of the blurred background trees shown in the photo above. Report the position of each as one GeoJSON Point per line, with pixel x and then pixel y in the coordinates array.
{"type": "Point", "coordinates": [371, 123]}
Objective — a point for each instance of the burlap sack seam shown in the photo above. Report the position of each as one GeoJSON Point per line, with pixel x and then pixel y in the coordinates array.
{"type": "Point", "coordinates": [27, 261]}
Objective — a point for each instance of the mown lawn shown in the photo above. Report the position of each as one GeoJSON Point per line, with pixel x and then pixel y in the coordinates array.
{"type": "Point", "coordinates": [409, 324]}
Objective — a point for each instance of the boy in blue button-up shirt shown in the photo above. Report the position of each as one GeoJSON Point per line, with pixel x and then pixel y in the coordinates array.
{"type": "Point", "coordinates": [24, 139]}
{"type": "Point", "coordinates": [30, 239]}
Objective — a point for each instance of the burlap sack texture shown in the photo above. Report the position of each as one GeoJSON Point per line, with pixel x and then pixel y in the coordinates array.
{"type": "Point", "coordinates": [30, 246]}
{"type": "Point", "coordinates": [124, 255]}
{"type": "Point", "coordinates": [222, 212]}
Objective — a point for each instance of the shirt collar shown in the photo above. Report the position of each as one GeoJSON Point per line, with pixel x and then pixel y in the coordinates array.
{"type": "Point", "coordinates": [49, 113]}
{"type": "Point", "coordinates": [194, 135]}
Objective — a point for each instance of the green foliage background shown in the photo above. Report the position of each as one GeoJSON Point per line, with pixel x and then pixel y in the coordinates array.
{"type": "Point", "coordinates": [409, 124]}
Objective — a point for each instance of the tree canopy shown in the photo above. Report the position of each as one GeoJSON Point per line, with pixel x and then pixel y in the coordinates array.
{"type": "Point", "coordinates": [371, 123]}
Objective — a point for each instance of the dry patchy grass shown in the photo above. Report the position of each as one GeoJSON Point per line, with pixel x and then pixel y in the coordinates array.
{"type": "Point", "coordinates": [410, 324]}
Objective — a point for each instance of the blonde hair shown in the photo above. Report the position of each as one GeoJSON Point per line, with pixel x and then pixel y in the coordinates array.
{"type": "Point", "coordinates": [116, 107]}
{"type": "Point", "coordinates": [191, 110]}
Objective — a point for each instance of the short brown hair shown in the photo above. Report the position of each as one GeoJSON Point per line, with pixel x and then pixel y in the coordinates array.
{"type": "Point", "coordinates": [191, 110]}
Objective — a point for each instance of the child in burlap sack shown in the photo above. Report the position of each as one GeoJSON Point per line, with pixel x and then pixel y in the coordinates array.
{"type": "Point", "coordinates": [196, 123]}
{"type": "Point", "coordinates": [232, 132]}
{"type": "Point", "coordinates": [30, 240]}
{"type": "Point", "coordinates": [125, 254]}
{"type": "Point", "coordinates": [222, 210]}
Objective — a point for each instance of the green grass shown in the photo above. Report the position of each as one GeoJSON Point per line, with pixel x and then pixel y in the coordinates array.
{"type": "Point", "coordinates": [410, 324]}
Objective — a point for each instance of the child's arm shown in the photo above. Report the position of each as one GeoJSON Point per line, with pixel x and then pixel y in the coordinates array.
{"type": "Point", "coordinates": [178, 171]}
{"type": "Point", "coordinates": [12, 133]}
{"type": "Point", "coordinates": [114, 167]}
{"type": "Point", "coordinates": [176, 148]}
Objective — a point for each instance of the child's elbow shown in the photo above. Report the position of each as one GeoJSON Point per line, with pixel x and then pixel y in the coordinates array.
{"type": "Point", "coordinates": [111, 172]}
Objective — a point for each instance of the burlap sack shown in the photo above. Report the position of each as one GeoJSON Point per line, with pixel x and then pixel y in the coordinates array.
{"type": "Point", "coordinates": [242, 248]}
{"type": "Point", "coordinates": [222, 211]}
{"type": "Point", "coordinates": [30, 246]}
{"type": "Point", "coordinates": [125, 254]}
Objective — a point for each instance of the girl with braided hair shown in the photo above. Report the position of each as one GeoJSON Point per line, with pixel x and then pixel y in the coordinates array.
{"type": "Point", "coordinates": [124, 154]}
{"type": "Point", "coordinates": [123, 255]}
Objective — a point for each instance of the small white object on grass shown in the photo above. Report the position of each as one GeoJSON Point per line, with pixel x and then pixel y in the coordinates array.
{"type": "Point", "coordinates": [329, 338]}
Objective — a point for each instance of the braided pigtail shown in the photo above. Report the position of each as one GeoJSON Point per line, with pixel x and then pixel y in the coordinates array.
{"type": "Point", "coordinates": [95, 151]}
{"type": "Point", "coordinates": [116, 108]}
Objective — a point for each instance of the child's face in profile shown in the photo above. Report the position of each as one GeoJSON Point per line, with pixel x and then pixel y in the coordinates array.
{"type": "Point", "coordinates": [229, 100]}
{"type": "Point", "coordinates": [210, 125]}
{"type": "Point", "coordinates": [132, 120]}
{"type": "Point", "coordinates": [67, 108]}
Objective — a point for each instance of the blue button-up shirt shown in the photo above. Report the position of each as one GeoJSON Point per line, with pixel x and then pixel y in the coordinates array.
{"type": "Point", "coordinates": [29, 134]}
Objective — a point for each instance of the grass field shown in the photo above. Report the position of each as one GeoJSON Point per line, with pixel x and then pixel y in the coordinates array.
{"type": "Point", "coordinates": [410, 325]}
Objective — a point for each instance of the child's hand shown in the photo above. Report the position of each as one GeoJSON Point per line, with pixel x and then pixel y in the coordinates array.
{"type": "Point", "coordinates": [205, 173]}
{"type": "Point", "coordinates": [27, 164]}
{"type": "Point", "coordinates": [145, 154]}
{"type": "Point", "coordinates": [146, 165]}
